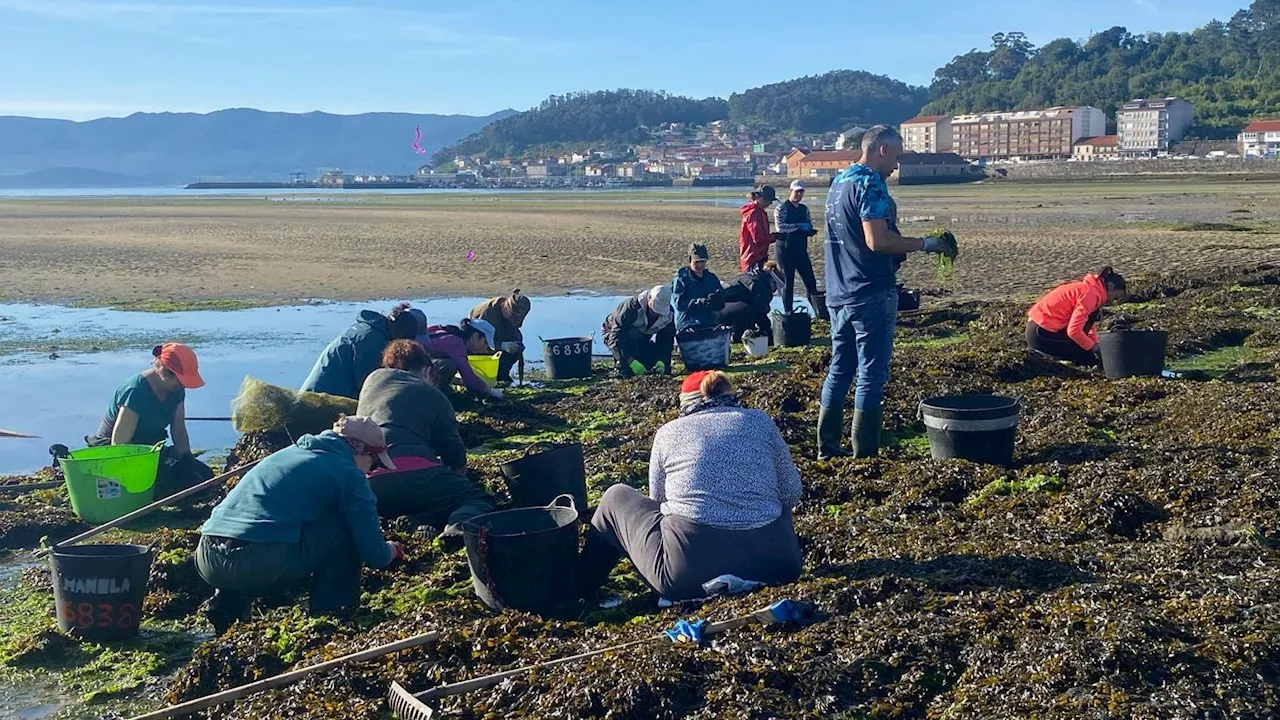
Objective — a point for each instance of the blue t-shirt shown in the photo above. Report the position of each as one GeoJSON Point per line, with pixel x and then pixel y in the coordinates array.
{"type": "Point", "coordinates": [154, 415]}
{"type": "Point", "coordinates": [853, 271]}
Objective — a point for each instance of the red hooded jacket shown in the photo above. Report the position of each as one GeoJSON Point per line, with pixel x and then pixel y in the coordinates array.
{"type": "Point", "coordinates": [1068, 307]}
{"type": "Point", "coordinates": [754, 239]}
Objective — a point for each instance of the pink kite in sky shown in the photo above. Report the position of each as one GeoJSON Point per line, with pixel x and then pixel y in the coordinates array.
{"type": "Point", "coordinates": [417, 138]}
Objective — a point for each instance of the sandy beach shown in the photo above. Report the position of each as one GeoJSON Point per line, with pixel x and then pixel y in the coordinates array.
{"type": "Point", "coordinates": [1015, 239]}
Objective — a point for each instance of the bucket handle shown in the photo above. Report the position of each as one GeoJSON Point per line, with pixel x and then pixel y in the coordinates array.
{"type": "Point", "coordinates": [540, 444]}
{"type": "Point", "coordinates": [555, 503]}
{"type": "Point", "coordinates": [158, 446]}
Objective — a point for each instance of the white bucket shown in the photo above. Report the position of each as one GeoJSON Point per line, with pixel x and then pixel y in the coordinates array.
{"type": "Point", "coordinates": [756, 346]}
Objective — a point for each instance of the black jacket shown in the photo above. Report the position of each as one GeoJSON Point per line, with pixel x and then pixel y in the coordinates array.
{"type": "Point", "coordinates": [752, 288]}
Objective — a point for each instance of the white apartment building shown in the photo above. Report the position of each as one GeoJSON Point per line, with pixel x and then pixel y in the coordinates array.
{"type": "Point", "coordinates": [1260, 139]}
{"type": "Point", "coordinates": [1150, 127]}
{"type": "Point", "coordinates": [927, 134]}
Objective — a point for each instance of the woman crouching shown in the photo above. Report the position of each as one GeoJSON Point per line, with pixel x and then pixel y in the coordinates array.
{"type": "Point", "coordinates": [721, 487]}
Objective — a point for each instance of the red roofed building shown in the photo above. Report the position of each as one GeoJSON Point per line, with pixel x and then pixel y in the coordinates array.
{"type": "Point", "coordinates": [1102, 147]}
{"type": "Point", "coordinates": [1260, 139]}
{"type": "Point", "coordinates": [820, 163]}
{"type": "Point", "coordinates": [927, 134]}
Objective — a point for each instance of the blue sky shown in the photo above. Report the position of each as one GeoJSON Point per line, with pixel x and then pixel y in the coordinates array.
{"type": "Point", "coordinates": [81, 59]}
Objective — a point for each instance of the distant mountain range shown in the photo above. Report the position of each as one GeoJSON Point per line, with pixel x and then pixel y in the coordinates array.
{"type": "Point", "coordinates": [238, 144]}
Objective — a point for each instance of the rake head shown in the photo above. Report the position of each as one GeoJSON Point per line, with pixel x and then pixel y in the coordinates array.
{"type": "Point", "coordinates": [406, 706]}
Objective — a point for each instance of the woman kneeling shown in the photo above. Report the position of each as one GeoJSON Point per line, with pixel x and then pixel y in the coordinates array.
{"type": "Point", "coordinates": [721, 487]}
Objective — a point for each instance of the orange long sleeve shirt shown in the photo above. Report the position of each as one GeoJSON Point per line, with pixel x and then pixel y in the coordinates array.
{"type": "Point", "coordinates": [1068, 307]}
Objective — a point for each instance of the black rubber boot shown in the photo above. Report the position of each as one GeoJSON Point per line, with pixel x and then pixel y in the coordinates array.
{"type": "Point", "coordinates": [866, 433]}
{"type": "Point", "coordinates": [225, 609]}
{"type": "Point", "coordinates": [831, 434]}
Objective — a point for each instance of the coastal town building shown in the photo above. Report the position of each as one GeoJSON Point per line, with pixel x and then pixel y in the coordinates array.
{"type": "Point", "coordinates": [1102, 147]}
{"type": "Point", "coordinates": [1260, 139]}
{"type": "Point", "coordinates": [850, 138]}
{"type": "Point", "coordinates": [1048, 134]}
{"type": "Point", "coordinates": [927, 134]}
{"type": "Point", "coordinates": [1148, 127]}
{"type": "Point", "coordinates": [820, 163]}
{"type": "Point", "coordinates": [927, 168]}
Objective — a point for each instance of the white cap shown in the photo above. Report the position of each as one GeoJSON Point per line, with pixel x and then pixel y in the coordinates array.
{"type": "Point", "coordinates": [660, 299]}
{"type": "Point", "coordinates": [485, 327]}
{"type": "Point", "coordinates": [797, 184]}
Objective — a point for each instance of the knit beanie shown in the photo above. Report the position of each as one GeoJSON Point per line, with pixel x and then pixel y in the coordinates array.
{"type": "Point", "coordinates": [691, 389]}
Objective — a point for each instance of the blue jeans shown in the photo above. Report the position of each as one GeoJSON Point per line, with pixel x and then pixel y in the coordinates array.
{"type": "Point", "coordinates": [861, 344]}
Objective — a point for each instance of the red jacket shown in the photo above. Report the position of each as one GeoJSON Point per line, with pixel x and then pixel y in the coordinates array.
{"type": "Point", "coordinates": [1068, 307]}
{"type": "Point", "coordinates": [754, 238]}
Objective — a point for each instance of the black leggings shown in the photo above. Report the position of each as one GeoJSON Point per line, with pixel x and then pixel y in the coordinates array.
{"type": "Point", "coordinates": [793, 257]}
{"type": "Point", "coordinates": [1059, 345]}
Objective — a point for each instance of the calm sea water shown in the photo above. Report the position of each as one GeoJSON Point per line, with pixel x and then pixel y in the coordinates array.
{"type": "Point", "coordinates": [689, 192]}
{"type": "Point", "coordinates": [63, 399]}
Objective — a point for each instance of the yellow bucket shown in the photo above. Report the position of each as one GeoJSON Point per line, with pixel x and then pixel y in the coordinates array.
{"type": "Point", "coordinates": [486, 366]}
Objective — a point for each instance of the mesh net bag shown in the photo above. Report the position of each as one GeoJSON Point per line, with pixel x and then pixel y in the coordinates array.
{"type": "Point", "coordinates": [263, 407]}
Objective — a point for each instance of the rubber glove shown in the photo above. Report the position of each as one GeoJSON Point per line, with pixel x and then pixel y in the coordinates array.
{"type": "Point", "coordinates": [660, 368]}
{"type": "Point", "coordinates": [716, 300]}
{"type": "Point", "coordinates": [805, 226]}
{"type": "Point", "coordinates": [688, 632]}
{"type": "Point", "coordinates": [495, 393]}
{"type": "Point", "coordinates": [636, 367]}
{"type": "Point", "coordinates": [945, 245]}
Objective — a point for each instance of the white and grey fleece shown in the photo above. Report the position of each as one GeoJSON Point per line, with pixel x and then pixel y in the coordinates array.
{"type": "Point", "coordinates": [725, 467]}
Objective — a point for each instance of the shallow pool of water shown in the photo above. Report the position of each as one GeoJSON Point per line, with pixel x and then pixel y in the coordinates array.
{"type": "Point", "coordinates": [63, 399]}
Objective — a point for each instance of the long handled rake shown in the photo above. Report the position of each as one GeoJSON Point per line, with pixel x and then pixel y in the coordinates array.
{"type": "Point", "coordinates": [408, 706]}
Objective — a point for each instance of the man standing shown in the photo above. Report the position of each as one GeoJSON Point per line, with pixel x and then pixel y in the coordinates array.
{"type": "Point", "coordinates": [754, 238]}
{"type": "Point", "coordinates": [794, 228]}
{"type": "Point", "coordinates": [863, 252]}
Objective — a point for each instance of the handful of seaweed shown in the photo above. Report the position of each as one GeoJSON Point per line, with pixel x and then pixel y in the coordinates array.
{"type": "Point", "coordinates": [262, 407]}
{"type": "Point", "coordinates": [946, 271]}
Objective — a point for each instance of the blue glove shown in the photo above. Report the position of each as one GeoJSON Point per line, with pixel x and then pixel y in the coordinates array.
{"type": "Point", "coordinates": [686, 632]}
{"type": "Point", "coordinates": [805, 226]}
{"type": "Point", "coordinates": [789, 612]}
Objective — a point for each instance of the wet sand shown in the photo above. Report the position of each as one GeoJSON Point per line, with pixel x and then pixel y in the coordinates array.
{"type": "Point", "coordinates": [1015, 239]}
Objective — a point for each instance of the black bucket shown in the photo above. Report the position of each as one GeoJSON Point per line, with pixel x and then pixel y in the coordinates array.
{"type": "Point", "coordinates": [794, 330]}
{"type": "Point", "coordinates": [705, 348]}
{"type": "Point", "coordinates": [1133, 353]}
{"type": "Point", "coordinates": [908, 299]}
{"type": "Point", "coordinates": [98, 590]}
{"type": "Point", "coordinates": [567, 358]}
{"type": "Point", "coordinates": [525, 559]}
{"type": "Point", "coordinates": [537, 479]}
{"type": "Point", "coordinates": [980, 428]}
{"type": "Point", "coordinates": [819, 303]}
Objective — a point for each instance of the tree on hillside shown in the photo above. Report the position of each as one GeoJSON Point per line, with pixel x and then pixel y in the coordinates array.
{"type": "Point", "coordinates": [1229, 70]}
{"type": "Point", "coordinates": [611, 117]}
{"type": "Point", "coordinates": [832, 101]}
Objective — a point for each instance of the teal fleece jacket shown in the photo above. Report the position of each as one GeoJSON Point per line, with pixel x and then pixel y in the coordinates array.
{"type": "Point", "coordinates": [316, 478]}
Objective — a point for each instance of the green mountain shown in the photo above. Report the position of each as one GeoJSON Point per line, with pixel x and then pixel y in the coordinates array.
{"type": "Point", "coordinates": [606, 117]}
{"type": "Point", "coordinates": [820, 103]}
{"type": "Point", "coordinates": [1229, 70]}
{"type": "Point", "coordinates": [833, 101]}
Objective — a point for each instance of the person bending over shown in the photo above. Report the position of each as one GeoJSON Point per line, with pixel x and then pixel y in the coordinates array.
{"type": "Point", "coordinates": [721, 487]}
{"type": "Point", "coordinates": [429, 483]}
{"type": "Point", "coordinates": [449, 346]}
{"type": "Point", "coordinates": [640, 333]}
{"type": "Point", "coordinates": [1060, 324]}
{"type": "Point", "coordinates": [304, 514]}
{"type": "Point", "coordinates": [151, 407]}
{"type": "Point", "coordinates": [350, 357]}
{"type": "Point", "coordinates": [506, 315]}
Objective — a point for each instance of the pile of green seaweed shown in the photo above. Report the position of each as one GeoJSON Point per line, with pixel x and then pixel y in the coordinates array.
{"type": "Point", "coordinates": [1123, 567]}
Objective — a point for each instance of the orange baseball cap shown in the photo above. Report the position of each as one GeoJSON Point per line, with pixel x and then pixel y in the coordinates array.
{"type": "Point", "coordinates": [180, 360]}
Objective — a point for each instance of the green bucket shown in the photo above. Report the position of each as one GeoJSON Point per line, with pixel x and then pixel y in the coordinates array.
{"type": "Point", "coordinates": [110, 481]}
